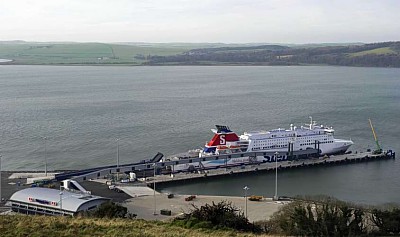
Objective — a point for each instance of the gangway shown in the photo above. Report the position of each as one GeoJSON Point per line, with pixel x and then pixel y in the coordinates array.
{"type": "Point", "coordinates": [67, 175]}
{"type": "Point", "coordinates": [71, 185]}
{"type": "Point", "coordinates": [157, 157]}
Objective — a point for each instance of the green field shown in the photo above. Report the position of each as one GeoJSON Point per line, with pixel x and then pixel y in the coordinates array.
{"type": "Point", "coordinates": [383, 50]}
{"type": "Point", "coordinates": [85, 53]}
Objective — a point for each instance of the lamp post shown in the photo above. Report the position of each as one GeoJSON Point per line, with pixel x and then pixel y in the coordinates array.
{"type": "Point", "coordinates": [61, 193]}
{"type": "Point", "coordinates": [154, 190]}
{"type": "Point", "coordinates": [276, 176]}
{"type": "Point", "coordinates": [245, 198]}
{"type": "Point", "coordinates": [117, 158]}
{"type": "Point", "coordinates": [1, 200]}
{"type": "Point", "coordinates": [45, 156]}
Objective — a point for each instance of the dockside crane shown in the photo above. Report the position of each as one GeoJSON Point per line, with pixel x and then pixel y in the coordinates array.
{"type": "Point", "coordinates": [378, 147]}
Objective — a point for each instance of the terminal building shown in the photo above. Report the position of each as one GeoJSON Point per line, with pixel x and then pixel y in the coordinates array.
{"type": "Point", "coordinates": [46, 201]}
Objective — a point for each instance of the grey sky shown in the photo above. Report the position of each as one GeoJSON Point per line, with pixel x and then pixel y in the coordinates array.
{"type": "Point", "coordinates": [228, 21]}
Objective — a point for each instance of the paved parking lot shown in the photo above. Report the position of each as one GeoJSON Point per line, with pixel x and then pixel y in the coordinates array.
{"type": "Point", "coordinates": [144, 206]}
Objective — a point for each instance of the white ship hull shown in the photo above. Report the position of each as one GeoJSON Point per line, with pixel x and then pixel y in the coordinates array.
{"type": "Point", "coordinates": [245, 160]}
{"type": "Point", "coordinates": [279, 140]}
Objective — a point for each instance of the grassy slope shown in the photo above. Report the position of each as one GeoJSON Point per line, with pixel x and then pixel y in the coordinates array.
{"type": "Point", "coordinates": [82, 53]}
{"type": "Point", "coordinates": [20, 225]}
{"type": "Point", "coordinates": [127, 52]}
{"type": "Point", "coordinates": [383, 50]}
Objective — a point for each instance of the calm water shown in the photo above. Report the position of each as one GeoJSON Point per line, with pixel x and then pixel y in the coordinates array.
{"type": "Point", "coordinates": [82, 110]}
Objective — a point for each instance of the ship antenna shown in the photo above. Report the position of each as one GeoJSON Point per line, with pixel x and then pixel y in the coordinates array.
{"type": "Point", "coordinates": [311, 123]}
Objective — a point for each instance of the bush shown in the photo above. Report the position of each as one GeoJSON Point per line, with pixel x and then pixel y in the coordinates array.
{"type": "Point", "coordinates": [388, 221]}
{"type": "Point", "coordinates": [222, 215]}
{"type": "Point", "coordinates": [110, 210]}
{"type": "Point", "coordinates": [318, 218]}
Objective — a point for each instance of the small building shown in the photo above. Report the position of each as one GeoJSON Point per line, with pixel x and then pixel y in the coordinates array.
{"type": "Point", "coordinates": [46, 201]}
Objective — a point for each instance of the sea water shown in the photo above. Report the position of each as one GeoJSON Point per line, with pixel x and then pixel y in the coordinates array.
{"type": "Point", "coordinates": [72, 116]}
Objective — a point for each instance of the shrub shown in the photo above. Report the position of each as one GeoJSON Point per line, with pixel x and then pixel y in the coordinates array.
{"type": "Point", "coordinates": [110, 210]}
{"type": "Point", "coordinates": [318, 218]}
{"type": "Point", "coordinates": [388, 221]}
{"type": "Point", "coordinates": [218, 216]}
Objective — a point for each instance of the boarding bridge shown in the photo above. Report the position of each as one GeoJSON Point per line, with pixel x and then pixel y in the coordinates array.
{"type": "Point", "coordinates": [67, 175]}
{"type": "Point", "coordinates": [72, 185]}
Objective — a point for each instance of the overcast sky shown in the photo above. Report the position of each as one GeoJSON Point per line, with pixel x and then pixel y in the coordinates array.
{"type": "Point", "coordinates": [226, 21]}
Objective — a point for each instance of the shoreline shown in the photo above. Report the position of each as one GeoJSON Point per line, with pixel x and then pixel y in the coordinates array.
{"type": "Point", "coordinates": [11, 63]}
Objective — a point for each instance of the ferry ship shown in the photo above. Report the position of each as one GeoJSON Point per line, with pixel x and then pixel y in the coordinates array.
{"type": "Point", "coordinates": [225, 141]}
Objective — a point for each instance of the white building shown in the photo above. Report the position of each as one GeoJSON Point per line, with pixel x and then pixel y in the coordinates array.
{"type": "Point", "coordinates": [46, 201]}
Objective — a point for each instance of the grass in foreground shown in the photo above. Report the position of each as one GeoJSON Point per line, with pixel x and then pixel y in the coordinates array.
{"type": "Point", "coordinates": [21, 225]}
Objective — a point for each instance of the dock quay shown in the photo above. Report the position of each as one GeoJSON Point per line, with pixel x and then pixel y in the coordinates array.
{"type": "Point", "coordinates": [11, 182]}
{"type": "Point", "coordinates": [157, 168]}
{"type": "Point", "coordinates": [156, 165]}
{"type": "Point", "coordinates": [267, 167]}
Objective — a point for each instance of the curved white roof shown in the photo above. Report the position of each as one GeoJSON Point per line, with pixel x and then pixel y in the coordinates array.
{"type": "Point", "coordinates": [48, 197]}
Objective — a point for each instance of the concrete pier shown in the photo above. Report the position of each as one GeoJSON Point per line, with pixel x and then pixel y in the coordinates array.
{"type": "Point", "coordinates": [265, 167]}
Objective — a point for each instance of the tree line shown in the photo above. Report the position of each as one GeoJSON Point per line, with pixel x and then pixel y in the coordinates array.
{"type": "Point", "coordinates": [282, 55]}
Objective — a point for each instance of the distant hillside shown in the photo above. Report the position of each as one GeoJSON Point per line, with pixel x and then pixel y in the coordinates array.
{"type": "Point", "coordinates": [125, 53]}
{"type": "Point", "coordinates": [83, 53]}
{"type": "Point", "coordinates": [386, 54]}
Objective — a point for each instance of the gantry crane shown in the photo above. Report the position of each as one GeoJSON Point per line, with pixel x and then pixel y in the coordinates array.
{"type": "Point", "coordinates": [378, 147]}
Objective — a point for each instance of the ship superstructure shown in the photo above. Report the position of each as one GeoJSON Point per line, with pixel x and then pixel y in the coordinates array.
{"type": "Point", "coordinates": [310, 136]}
{"type": "Point", "coordinates": [305, 137]}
